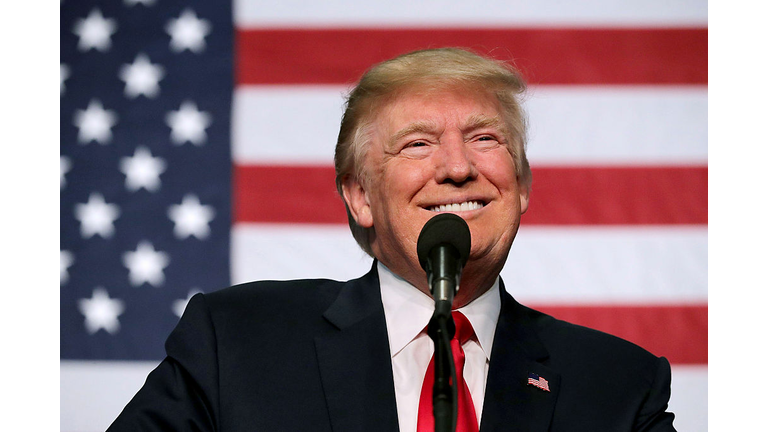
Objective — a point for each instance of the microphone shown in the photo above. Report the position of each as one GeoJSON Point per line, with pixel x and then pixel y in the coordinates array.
{"type": "Point", "coordinates": [443, 249]}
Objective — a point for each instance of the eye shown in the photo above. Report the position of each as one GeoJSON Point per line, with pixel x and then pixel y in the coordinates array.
{"type": "Point", "coordinates": [485, 142]}
{"type": "Point", "coordinates": [416, 149]}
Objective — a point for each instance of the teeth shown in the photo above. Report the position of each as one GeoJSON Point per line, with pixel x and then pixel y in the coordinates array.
{"type": "Point", "coordinates": [465, 206]}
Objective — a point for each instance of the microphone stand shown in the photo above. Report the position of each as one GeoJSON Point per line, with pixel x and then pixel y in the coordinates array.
{"type": "Point", "coordinates": [441, 329]}
{"type": "Point", "coordinates": [444, 395]}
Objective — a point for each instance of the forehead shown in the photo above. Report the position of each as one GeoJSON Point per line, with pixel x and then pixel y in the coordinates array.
{"type": "Point", "coordinates": [433, 110]}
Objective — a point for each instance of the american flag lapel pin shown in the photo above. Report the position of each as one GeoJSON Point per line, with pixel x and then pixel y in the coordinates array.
{"type": "Point", "coordinates": [537, 381]}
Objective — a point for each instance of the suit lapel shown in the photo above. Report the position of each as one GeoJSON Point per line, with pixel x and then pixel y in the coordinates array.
{"type": "Point", "coordinates": [355, 365]}
{"type": "Point", "coordinates": [510, 402]}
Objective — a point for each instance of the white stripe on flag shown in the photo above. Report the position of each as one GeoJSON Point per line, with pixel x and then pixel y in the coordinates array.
{"type": "Point", "coordinates": [689, 399]}
{"type": "Point", "coordinates": [569, 124]}
{"type": "Point", "coordinates": [293, 13]}
{"type": "Point", "coordinates": [547, 265]}
{"type": "Point", "coordinates": [95, 392]}
{"type": "Point", "coordinates": [606, 265]}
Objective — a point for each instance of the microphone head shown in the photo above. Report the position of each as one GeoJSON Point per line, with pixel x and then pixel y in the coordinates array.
{"type": "Point", "coordinates": [445, 228]}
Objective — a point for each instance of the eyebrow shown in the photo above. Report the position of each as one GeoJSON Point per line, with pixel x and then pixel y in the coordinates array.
{"type": "Point", "coordinates": [419, 126]}
{"type": "Point", "coordinates": [480, 121]}
{"type": "Point", "coordinates": [474, 122]}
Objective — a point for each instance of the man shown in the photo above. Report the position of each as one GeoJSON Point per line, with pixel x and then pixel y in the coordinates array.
{"type": "Point", "coordinates": [428, 132]}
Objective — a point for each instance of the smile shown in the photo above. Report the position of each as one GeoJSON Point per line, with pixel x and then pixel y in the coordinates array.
{"type": "Point", "coordinates": [458, 207]}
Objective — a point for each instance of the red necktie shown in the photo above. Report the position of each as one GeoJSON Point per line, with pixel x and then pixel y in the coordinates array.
{"type": "Point", "coordinates": [466, 419]}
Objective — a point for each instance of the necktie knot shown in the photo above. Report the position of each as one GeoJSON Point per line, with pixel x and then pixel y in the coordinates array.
{"type": "Point", "coordinates": [464, 330]}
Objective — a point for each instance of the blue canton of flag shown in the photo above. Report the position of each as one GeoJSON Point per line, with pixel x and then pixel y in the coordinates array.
{"type": "Point", "coordinates": [145, 169]}
{"type": "Point", "coordinates": [538, 381]}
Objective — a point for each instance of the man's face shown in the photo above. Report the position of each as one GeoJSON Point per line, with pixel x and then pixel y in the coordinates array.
{"type": "Point", "coordinates": [439, 151]}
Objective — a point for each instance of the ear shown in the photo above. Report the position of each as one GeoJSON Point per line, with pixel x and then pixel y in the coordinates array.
{"type": "Point", "coordinates": [357, 201]}
{"type": "Point", "coordinates": [524, 194]}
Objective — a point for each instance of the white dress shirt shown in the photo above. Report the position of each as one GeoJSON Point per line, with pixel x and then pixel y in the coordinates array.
{"type": "Point", "coordinates": [407, 311]}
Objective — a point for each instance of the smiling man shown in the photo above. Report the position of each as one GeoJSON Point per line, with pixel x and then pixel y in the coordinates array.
{"type": "Point", "coordinates": [438, 147]}
{"type": "Point", "coordinates": [428, 132]}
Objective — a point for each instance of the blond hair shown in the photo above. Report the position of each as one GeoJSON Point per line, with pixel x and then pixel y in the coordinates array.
{"type": "Point", "coordinates": [432, 68]}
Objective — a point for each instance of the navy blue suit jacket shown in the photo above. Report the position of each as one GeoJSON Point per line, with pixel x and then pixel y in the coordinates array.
{"type": "Point", "coordinates": [313, 355]}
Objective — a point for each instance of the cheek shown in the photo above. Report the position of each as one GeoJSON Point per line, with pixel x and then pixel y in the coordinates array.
{"type": "Point", "coordinates": [405, 179]}
{"type": "Point", "coordinates": [398, 191]}
{"type": "Point", "coordinates": [500, 172]}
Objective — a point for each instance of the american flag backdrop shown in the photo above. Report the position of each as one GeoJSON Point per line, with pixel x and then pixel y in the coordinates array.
{"type": "Point", "coordinates": [196, 152]}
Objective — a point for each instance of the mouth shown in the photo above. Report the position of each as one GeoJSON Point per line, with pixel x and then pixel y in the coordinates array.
{"type": "Point", "coordinates": [457, 207]}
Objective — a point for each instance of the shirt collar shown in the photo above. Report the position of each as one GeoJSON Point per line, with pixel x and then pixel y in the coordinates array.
{"type": "Point", "coordinates": [407, 311]}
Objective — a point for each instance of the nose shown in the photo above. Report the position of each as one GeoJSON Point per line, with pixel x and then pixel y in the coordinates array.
{"type": "Point", "coordinates": [454, 162]}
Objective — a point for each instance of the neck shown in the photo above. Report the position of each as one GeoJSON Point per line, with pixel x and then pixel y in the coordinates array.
{"type": "Point", "coordinates": [475, 281]}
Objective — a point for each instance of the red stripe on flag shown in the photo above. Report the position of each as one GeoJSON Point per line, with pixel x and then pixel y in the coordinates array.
{"type": "Point", "coordinates": [290, 194]}
{"type": "Point", "coordinates": [678, 333]}
{"type": "Point", "coordinates": [560, 196]}
{"type": "Point", "coordinates": [545, 55]}
{"type": "Point", "coordinates": [618, 196]}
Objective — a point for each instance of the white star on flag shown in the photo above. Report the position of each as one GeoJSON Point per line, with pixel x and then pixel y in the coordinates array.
{"type": "Point", "coordinates": [188, 124]}
{"type": "Point", "coordinates": [142, 170]}
{"type": "Point", "coordinates": [64, 166]}
{"type": "Point", "coordinates": [146, 264]}
{"type": "Point", "coordinates": [188, 32]}
{"type": "Point", "coordinates": [141, 77]}
{"type": "Point", "coordinates": [66, 259]}
{"type": "Point", "coordinates": [64, 74]}
{"type": "Point", "coordinates": [181, 304]}
{"type": "Point", "coordinates": [96, 216]}
{"type": "Point", "coordinates": [101, 311]}
{"type": "Point", "coordinates": [191, 218]}
{"type": "Point", "coordinates": [95, 31]}
{"type": "Point", "coordinates": [95, 123]}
